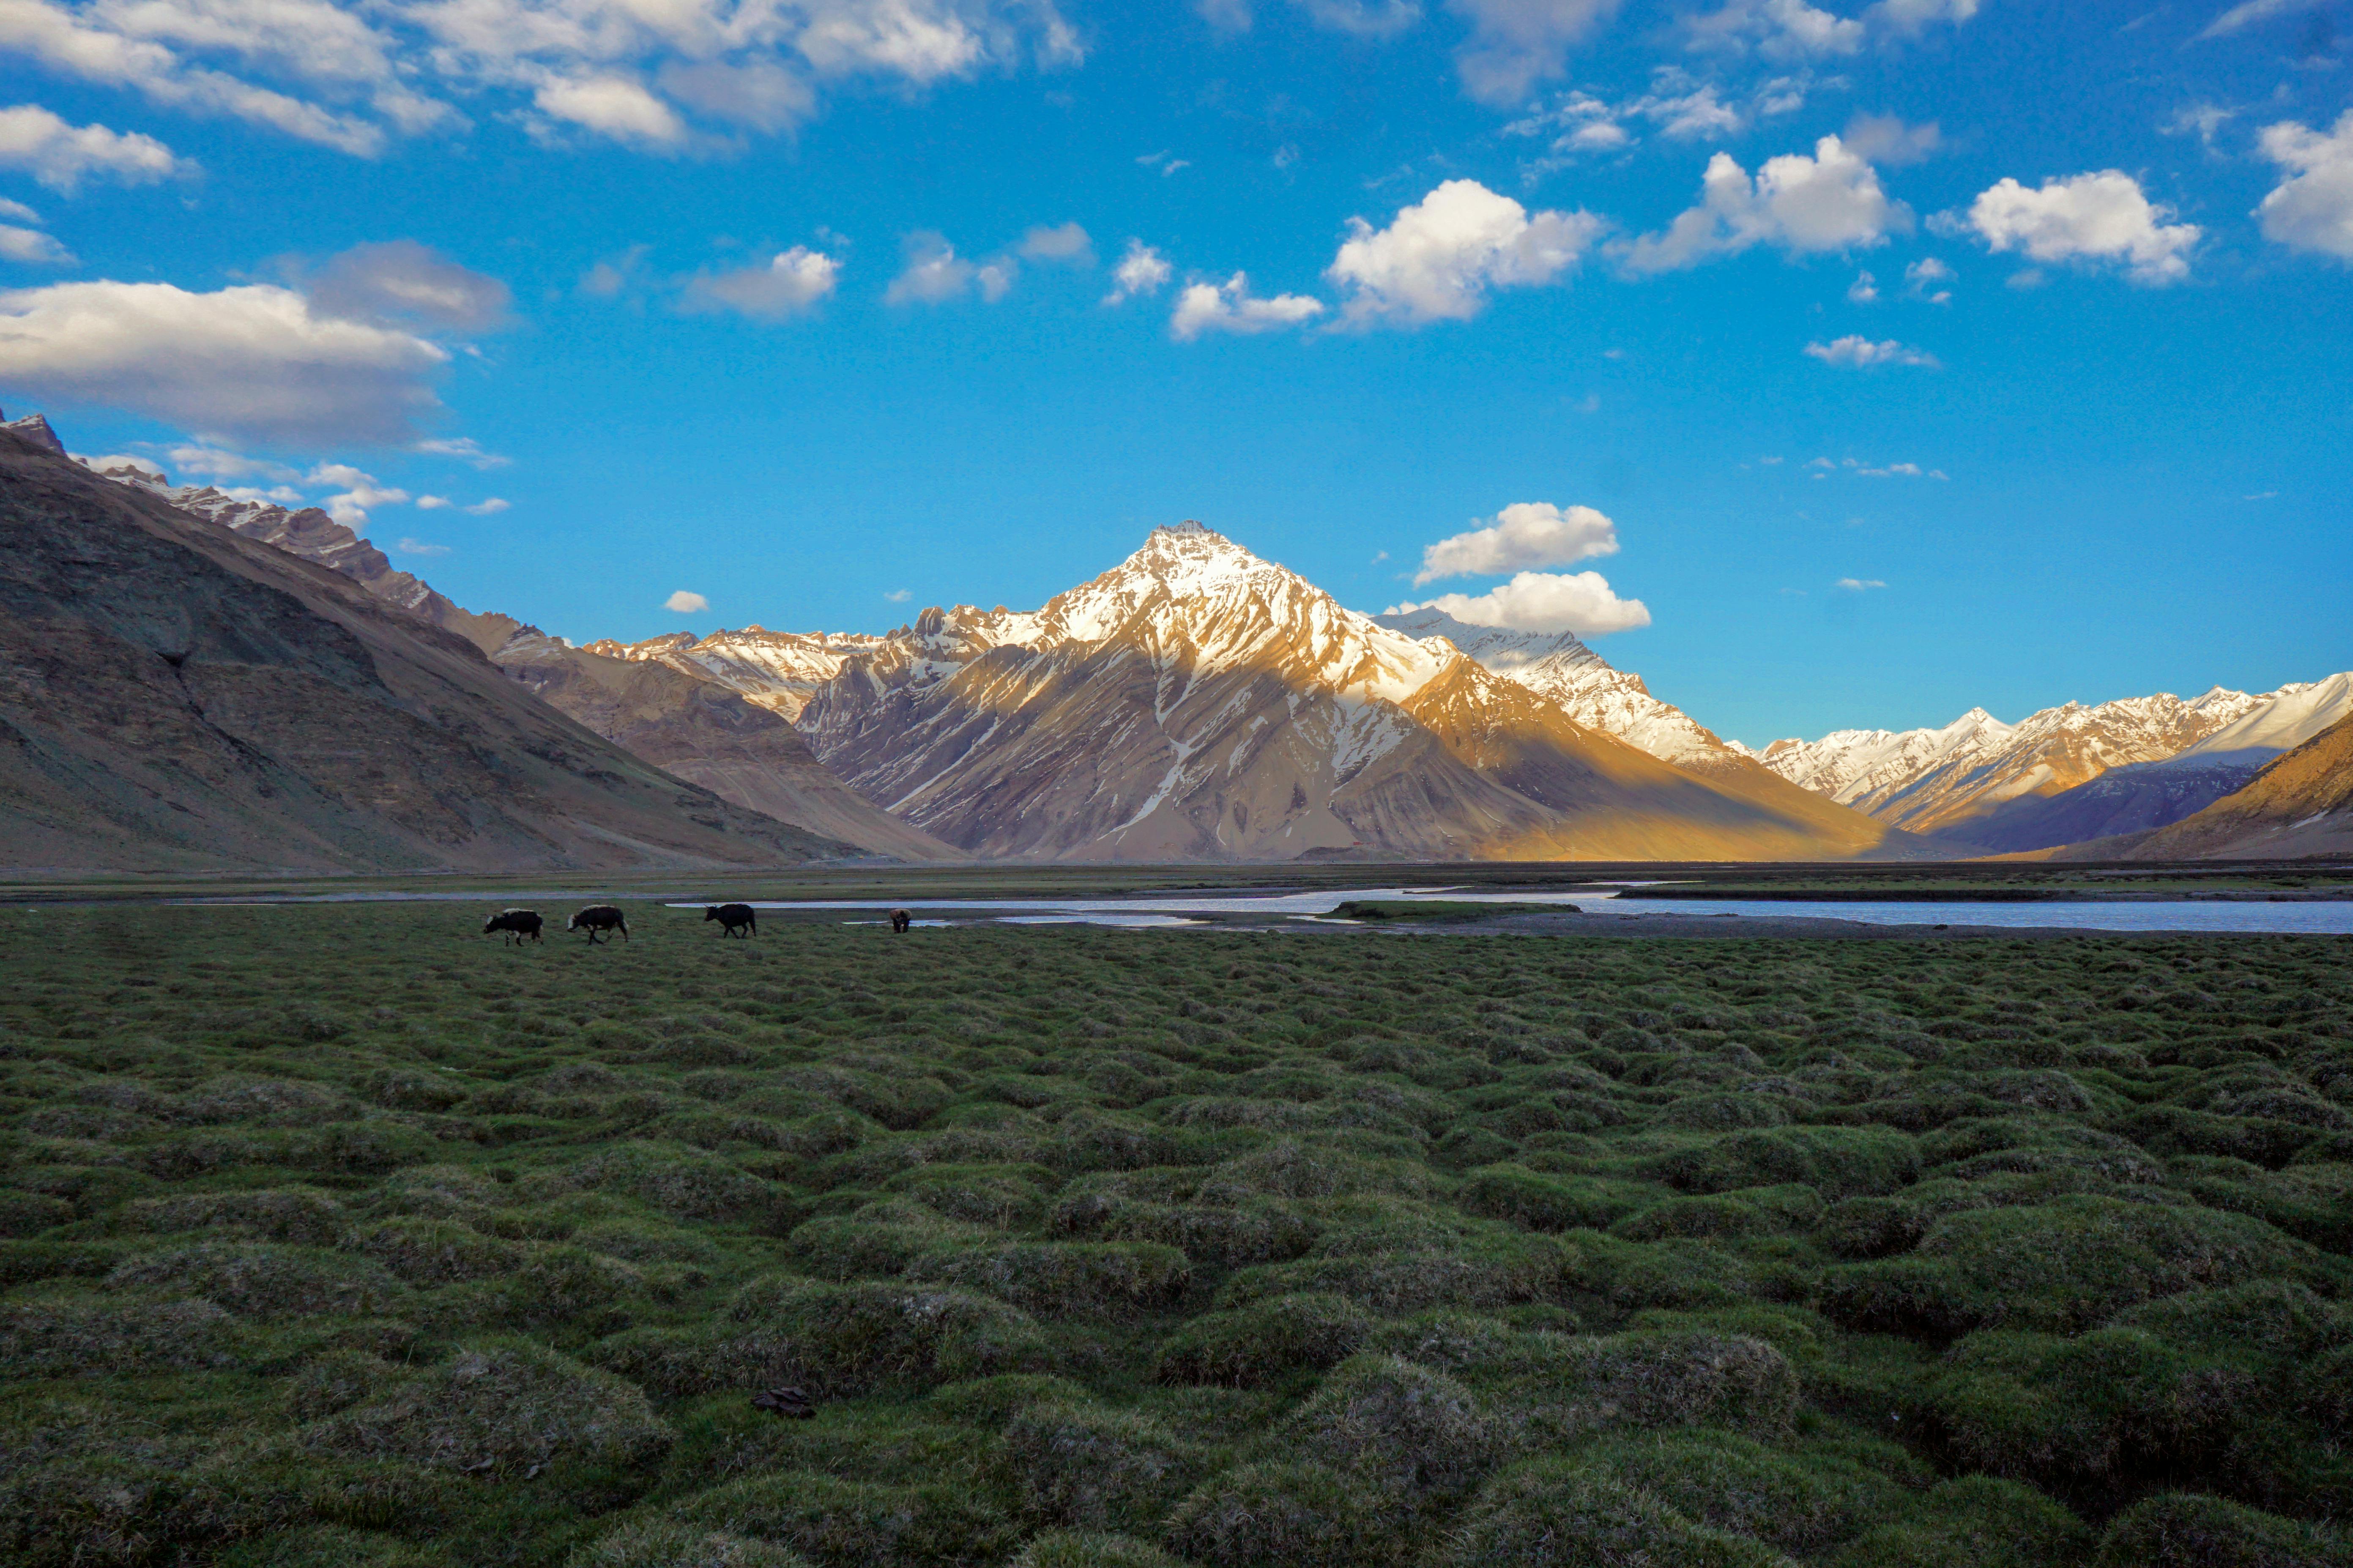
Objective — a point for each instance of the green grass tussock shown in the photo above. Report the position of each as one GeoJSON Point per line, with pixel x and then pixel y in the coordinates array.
{"type": "Point", "coordinates": [1138, 1250]}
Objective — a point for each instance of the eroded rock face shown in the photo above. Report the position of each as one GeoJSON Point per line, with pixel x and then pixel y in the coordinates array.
{"type": "Point", "coordinates": [174, 696]}
{"type": "Point", "coordinates": [1198, 702]}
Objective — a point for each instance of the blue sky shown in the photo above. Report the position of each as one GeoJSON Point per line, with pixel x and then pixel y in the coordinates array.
{"type": "Point", "coordinates": [674, 284]}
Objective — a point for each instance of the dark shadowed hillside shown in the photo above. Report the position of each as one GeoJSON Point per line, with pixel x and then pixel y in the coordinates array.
{"type": "Point", "coordinates": [174, 696]}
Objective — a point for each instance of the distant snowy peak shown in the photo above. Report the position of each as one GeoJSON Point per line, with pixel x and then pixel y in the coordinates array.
{"type": "Point", "coordinates": [1581, 683]}
{"type": "Point", "coordinates": [2287, 718]}
{"type": "Point", "coordinates": [778, 671]}
{"type": "Point", "coordinates": [1938, 780]}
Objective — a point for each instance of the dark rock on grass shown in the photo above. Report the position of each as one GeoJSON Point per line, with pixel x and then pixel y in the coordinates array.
{"type": "Point", "coordinates": [1553, 1513]}
{"type": "Point", "coordinates": [2183, 1529]}
{"type": "Point", "coordinates": [1299, 1515]}
{"type": "Point", "coordinates": [503, 1407]}
{"type": "Point", "coordinates": [1265, 1344]}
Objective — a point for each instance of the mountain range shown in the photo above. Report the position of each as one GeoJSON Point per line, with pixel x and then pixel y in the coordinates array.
{"type": "Point", "coordinates": [176, 697]}
{"type": "Point", "coordinates": [1198, 702]}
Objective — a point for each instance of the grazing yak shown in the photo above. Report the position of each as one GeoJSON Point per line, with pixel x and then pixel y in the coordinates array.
{"type": "Point", "coordinates": [599, 918]}
{"type": "Point", "coordinates": [735, 919]}
{"type": "Point", "coordinates": [516, 924]}
{"type": "Point", "coordinates": [901, 920]}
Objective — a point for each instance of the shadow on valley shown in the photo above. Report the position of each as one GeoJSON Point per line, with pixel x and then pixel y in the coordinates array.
{"type": "Point", "coordinates": [343, 1236]}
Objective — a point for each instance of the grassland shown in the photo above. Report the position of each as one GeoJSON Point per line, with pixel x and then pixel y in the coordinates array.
{"type": "Point", "coordinates": [337, 1236]}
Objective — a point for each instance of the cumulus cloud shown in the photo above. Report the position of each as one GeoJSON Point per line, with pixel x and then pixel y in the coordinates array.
{"type": "Point", "coordinates": [1831, 201]}
{"type": "Point", "coordinates": [61, 155]}
{"type": "Point", "coordinates": [1863, 289]}
{"type": "Point", "coordinates": [1230, 307]}
{"type": "Point", "coordinates": [361, 490]}
{"type": "Point", "coordinates": [418, 547]}
{"type": "Point", "coordinates": [1066, 243]}
{"type": "Point", "coordinates": [489, 508]}
{"type": "Point", "coordinates": [1778, 29]}
{"type": "Point", "coordinates": [33, 247]}
{"type": "Point", "coordinates": [2090, 218]}
{"type": "Point", "coordinates": [254, 360]}
{"type": "Point", "coordinates": [1886, 141]}
{"type": "Point", "coordinates": [354, 77]}
{"type": "Point", "coordinates": [1436, 260]}
{"type": "Point", "coordinates": [1579, 602]}
{"type": "Point", "coordinates": [789, 283]}
{"type": "Point", "coordinates": [1523, 534]}
{"type": "Point", "coordinates": [1678, 105]}
{"type": "Point", "coordinates": [1142, 270]}
{"type": "Point", "coordinates": [401, 282]}
{"type": "Point", "coordinates": [1907, 17]}
{"type": "Point", "coordinates": [1926, 280]}
{"type": "Point", "coordinates": [1514, 44]}
{"type": "Point", "coordinates": [1858, 584]}
{"type": "Point", "coordinates": [934, 274]}
{"type": "Point", "coordinates": [1863, 353]}
{"type": "Point", "coordinates": [683, 603]}
{"type": "Point", "coordinates": [2312, 208]}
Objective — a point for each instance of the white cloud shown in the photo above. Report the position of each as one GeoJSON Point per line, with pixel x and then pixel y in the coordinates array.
{"type": "Point", "coordinates": [466, 449]}
{"type": "Point", "coordinates": [2312, 208]}
{"type": "Point", "coordinates": [1580, 602]}
{"type": "Point", "coordinates": [1858, 584]}
{"type": "Point", "coordinates": [936, 274]}
{"type": "Point", "coordinates": [1863, 353]}
{"type": "Point", "coordinates": [1778, 29]}
{"type": "Point", "coordinates": [1909, 16]}
{"type": "Point", "coordinates": [399, 282]}
{"type": "Point", "coordinates": [354, 76]}
{"type": "Point", "coordinates": [2092, 217]}
{"type": "Point", "coordinates": [1886, 141]}
{"type": "Point", "coordinates": [789, 283]}
{"type": "Point", "coordinates": [61, 157]}
{"type": "Point", "coordinates": [1514, 44]}
{"type": "Point", "coordinates": [1863, 289]}
{"type": "Point", "coordinates": [683, 603]}
{"type": "Point", "coordinates": [1681, 106]}
{"type": "Point", "coordinates": [1924, 280]}
{"type": "Point", "coordinates": [1438, 257]}
{"type": "Point", "coordinates": [1142, 270]}
{"type": "Point", "coordinates": [2203, 118]}
{"type": "Point", "coordinates": [434, 503]}
{"type": "Point", "coordinates": [216, 463]}
{"type": "Point", "coordinates": [254, 360]}
{"type": "Point", "coordinates": [1230, 307]}
{"type": "Point", "coordinates": [1892, 471]}
{"type": "Point", "coordinates": [1363, 18]}
{"type": "Point", "coordinates": [1831, 201]}
{"type": "Point", "coordinates": [489, 508]}
{"type": "Point", "coordinates": [361, 491]}
{"type": "Point", "coordinates": [33, 247]}
{"type": "Point", "coordinates": [418, 547]}
{"type": "Point", "coordinates": [1067, 243]}
{"type": "Point", "coordinates": [1523, 534]}
{"type": "Point", "coordinates": [2245, 15]}
{"type": "Point", "coordinates": [900, 595]}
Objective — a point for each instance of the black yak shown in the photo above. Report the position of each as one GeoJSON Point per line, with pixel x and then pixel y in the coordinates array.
{"type": "Point", "coordinates": [516, 924]}
{"type": "Point", "coordinates": [735, 919]}
{"type": "Point", "coordinates": [597, 917]}
{"type": "Point", "coordinates": [901, 920]}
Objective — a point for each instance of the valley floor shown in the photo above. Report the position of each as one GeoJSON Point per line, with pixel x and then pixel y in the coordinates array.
{"type": "Point", "coordinates": [339, 1235]}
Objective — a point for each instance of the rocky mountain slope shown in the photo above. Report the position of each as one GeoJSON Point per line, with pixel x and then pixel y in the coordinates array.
{"type": "Point", "coordinates": [1957, 781]}
{"type": "Point", "coordinates": [1197, 702]}
{"type": "Point", "coordinates": [2300, 805]}
{"type": "Point", "coordinates": [176, 697]}
{"type": "Point", "coordinates": [669, 714]}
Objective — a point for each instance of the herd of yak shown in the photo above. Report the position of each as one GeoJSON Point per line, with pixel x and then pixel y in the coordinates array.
{"type": "Point", "coordinates": [599, 921]}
